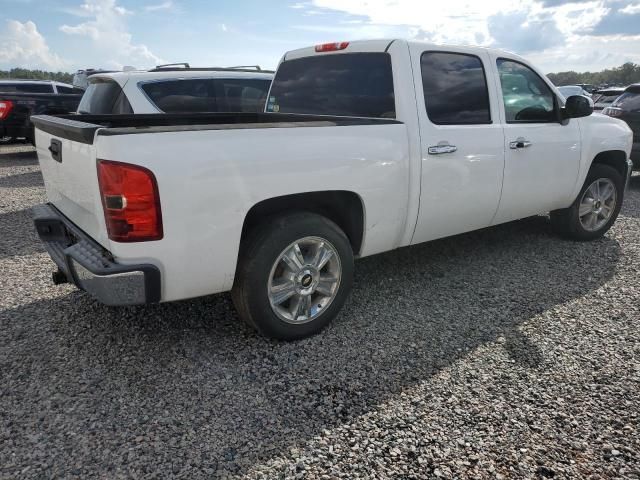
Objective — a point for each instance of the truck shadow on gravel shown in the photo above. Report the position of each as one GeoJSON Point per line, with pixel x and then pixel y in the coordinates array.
{"type": "Point", "coordinates": [184, 387]}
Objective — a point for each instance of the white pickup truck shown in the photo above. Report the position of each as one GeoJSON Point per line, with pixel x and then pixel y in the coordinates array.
{"type": "Point", "coordinates": [364, 147]}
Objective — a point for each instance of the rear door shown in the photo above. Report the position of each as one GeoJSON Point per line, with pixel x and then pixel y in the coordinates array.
{"type": "Point", "coordinates": [542, 155]}
{"type": "Point", "coordinates": [461, 141]}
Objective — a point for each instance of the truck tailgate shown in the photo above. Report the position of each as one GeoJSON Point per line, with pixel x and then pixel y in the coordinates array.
{"type": "Point", "coordinates": [70, 178]}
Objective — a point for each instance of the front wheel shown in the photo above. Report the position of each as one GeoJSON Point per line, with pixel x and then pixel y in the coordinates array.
{"type": "Point", "coordinates": [595, 210]}
{"type": "Point", "coordinates": [294, 274]}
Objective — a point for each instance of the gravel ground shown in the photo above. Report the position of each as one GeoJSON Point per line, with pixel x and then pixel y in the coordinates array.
{"type": "Point", "coordinates": [505, 353]}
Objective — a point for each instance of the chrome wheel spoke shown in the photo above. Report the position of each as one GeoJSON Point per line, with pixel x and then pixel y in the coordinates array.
{"type": "Point", "coordinates": [326, 285]}
{"type": "Point", "coordinates": [607, 192]}
{"type": "Point", "coordinates": [586, 207]}
{"type": "Point", "coordinates": [301, 308]}
{"type": "Point", "coordinates": [281, 292]}
{"type": "Point", "coordinates": [322, 256]}
{"type": "Point", "coordinates": [293, 258]}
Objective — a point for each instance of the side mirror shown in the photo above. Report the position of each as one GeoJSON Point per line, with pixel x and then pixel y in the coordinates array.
{"type": "Point", "coordinates": [577, 106]}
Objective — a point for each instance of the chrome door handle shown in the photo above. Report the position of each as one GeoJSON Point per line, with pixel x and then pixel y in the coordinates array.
{"type": "Point", "coordinates": [440, 149]}
{"type": "Point", "coordinates": [520, 143]}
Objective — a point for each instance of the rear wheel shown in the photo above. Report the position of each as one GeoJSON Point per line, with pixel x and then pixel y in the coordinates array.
{"type": "Point", "coordinates": [294, 275]}
{"type": "Point", "coordinates": [595, 210]}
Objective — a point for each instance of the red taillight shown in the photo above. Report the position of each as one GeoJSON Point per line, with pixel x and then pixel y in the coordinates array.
{"type": "Point", "coordinates": [5, 108]}
{"type": "Point", "coordinates": [130, 201]}
{"type": "Point", "coordinates": [331, 47]}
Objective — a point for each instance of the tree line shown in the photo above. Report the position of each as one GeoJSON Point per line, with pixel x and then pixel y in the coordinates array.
{"type": "Point", "coordinates": [623, 75]}
{"type": "Point", "coordinates": [27, 74]}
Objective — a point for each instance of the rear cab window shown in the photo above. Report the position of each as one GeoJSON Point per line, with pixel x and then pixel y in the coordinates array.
{"type": "Point", "coordinates": [26, 88]}
{"type": "Point", "coordinates": [345, 84]}
{"type": "Point", "coordinates": [104, 97]}
{"type": "Point", "coordinates": [207, 94]}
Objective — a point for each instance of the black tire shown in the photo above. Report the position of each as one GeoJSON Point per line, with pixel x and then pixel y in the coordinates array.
{"type": "Point", "coordinates": [567, 222]}
{"type": "Point", "coordinates": [259, 252]}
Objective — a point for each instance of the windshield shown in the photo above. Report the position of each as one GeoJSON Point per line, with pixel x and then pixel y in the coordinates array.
{"type": "Point", "coordinates": [348, 84]}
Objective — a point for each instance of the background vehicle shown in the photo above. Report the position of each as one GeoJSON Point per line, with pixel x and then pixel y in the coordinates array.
{"type": "Point", "coordinates": [376, 145]}
{"type": "Point", "coordinates": [569, 90]}
{"type": "Point", "coordinates": [81, 77]}
{"type": "Point", "coordinates": [627, 107]}
{"type": "Point", "coordinates": [605, 97]}
{"type": "Point", "coordinates": [174, 90]}
{"type": "Point", "coordinates": [587, 87]}
{"type": "Point", "coordinates": [19, 99]}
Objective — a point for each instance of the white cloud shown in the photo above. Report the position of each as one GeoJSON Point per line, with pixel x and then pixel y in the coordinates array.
{"type": "Point", "coordinates": [631, 9]}
{"type": "Point", "coordinates": [551, 30]}
{"type": "Point", "coordinates": [108, 31]}
{"type": "Point", "coordinates": [168, 5]}
{"type": "Point", "coordinates": [456, 22]}
{"type": "Point", "coordinates": [22, 45]}
{"type": "Point", "coordinates": [589, 54]}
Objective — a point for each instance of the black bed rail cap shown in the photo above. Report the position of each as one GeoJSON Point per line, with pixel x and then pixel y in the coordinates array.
{"type": "Point", "coordinates": [67, 128]}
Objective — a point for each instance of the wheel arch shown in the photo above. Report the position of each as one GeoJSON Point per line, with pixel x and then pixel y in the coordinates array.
{"type": "Point", "coordinates": [345, 208]}
{"type": "Point", "coordinates": [616, 159]}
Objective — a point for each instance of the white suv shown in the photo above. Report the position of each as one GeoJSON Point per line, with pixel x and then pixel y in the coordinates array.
{"type": "Point", "coordinates": [177, 90]}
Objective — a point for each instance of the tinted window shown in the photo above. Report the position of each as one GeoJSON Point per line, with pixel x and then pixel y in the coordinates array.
{"type": "Point", "coordinates": [351, 84]}
{"type": "Point", "coordinates": [208, 95]}
{"type": "Point", "coordinates": [527, 98]}
{"type": "Point", "coordinates": [629, 101]}
{"type": "Point", "coordinates": [26, 87]}
{"type": "Point", "coordinates": [455, 89]}
{"type": "Point", "coordinates": [607, 98]}
{"type": "Point", "coordinates": [104, 98]}
{"type": "Point", "coordinates": [69, 90]}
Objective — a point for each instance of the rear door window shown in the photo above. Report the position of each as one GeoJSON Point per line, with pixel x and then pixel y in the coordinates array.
{"type": "Point", "coordinates": [208, 94]}
{"type": "Point", "coordinates": [348, 84]}
{"type": "Point", "coordinates": [629, 101]}
{"type": "Point", "coordinates": [104, 97]}
{"type": "Point", "coordinates": [26, 87]}
{"type": "Point", "coordinates": [455, 89]}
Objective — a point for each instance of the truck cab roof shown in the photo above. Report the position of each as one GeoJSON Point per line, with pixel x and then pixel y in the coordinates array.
{"type": "Point", "coordinates": [380, 45]}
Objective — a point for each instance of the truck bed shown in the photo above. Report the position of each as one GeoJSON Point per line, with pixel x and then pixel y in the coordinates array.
{"type": "Point", "coordinates": [82, 128]}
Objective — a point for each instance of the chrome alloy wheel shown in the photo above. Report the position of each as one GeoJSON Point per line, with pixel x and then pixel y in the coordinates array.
{"type": "Point", "coordinates": [597, 204]}
{"type": "Point", "coordinates": [304, 280]}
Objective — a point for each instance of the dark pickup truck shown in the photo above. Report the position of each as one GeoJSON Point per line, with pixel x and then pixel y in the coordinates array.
{"type": "Point", "coordinates": [19, 99]}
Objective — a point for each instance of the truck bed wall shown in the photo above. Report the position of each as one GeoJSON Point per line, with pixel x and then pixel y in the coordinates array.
{"type": "Point", "coordinates": [209, 180]}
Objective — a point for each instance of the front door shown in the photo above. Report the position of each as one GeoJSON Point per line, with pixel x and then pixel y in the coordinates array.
{"type": "Point", "coordinates": [461, 141]}
{"type": "Point", "coordinates": [542, 155]}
